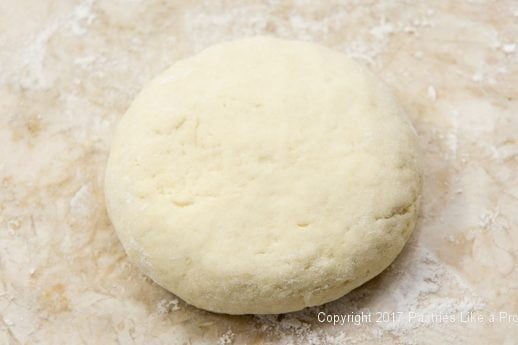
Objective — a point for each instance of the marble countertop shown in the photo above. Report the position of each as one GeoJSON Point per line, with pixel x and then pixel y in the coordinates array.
{"type": "Point", "coordinates": [68, 71]}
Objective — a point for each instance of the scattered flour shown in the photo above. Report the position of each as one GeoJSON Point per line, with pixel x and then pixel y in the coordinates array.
{"type": "Point", "coordinates": [432, 93]}
{"type": "Point", "coordinates": [167, 305]}
{"type": "Point", "coordinates": [417, 282]}
{"type": "Point", "coordinates": [227, 338]}
{"type": "Point", "coordinates": [509, 48]}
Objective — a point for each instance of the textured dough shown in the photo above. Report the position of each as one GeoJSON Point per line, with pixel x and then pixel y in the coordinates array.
{"type": "Point", "coordinates": [263, 176]}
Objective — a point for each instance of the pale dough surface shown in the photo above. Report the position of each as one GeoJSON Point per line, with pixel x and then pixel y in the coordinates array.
{"type": "Point", "coordinates": [263, 176]}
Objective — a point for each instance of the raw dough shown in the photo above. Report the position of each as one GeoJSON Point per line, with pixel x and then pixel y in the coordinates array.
{"type": "Point", "coordinates": [263, 176]}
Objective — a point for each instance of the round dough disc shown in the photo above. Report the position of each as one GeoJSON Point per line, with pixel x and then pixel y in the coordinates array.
{"type": "Point", "coordinates": [263, 176]}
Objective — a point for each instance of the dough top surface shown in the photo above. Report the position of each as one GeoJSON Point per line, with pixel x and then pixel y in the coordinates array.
{"type": "Point", "coordinates": [263, 176]}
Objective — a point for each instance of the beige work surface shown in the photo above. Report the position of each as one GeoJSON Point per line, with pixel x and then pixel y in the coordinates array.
{"type": "Point", "coordinates": [69, 70]}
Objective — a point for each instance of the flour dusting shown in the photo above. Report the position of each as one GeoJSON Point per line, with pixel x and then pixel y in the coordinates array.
{"type": "Point", "coordinates": [67, 79]}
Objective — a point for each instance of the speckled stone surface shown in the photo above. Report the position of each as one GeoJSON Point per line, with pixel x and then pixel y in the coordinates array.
{"type": "Point", "coordinates": [69, 70]}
